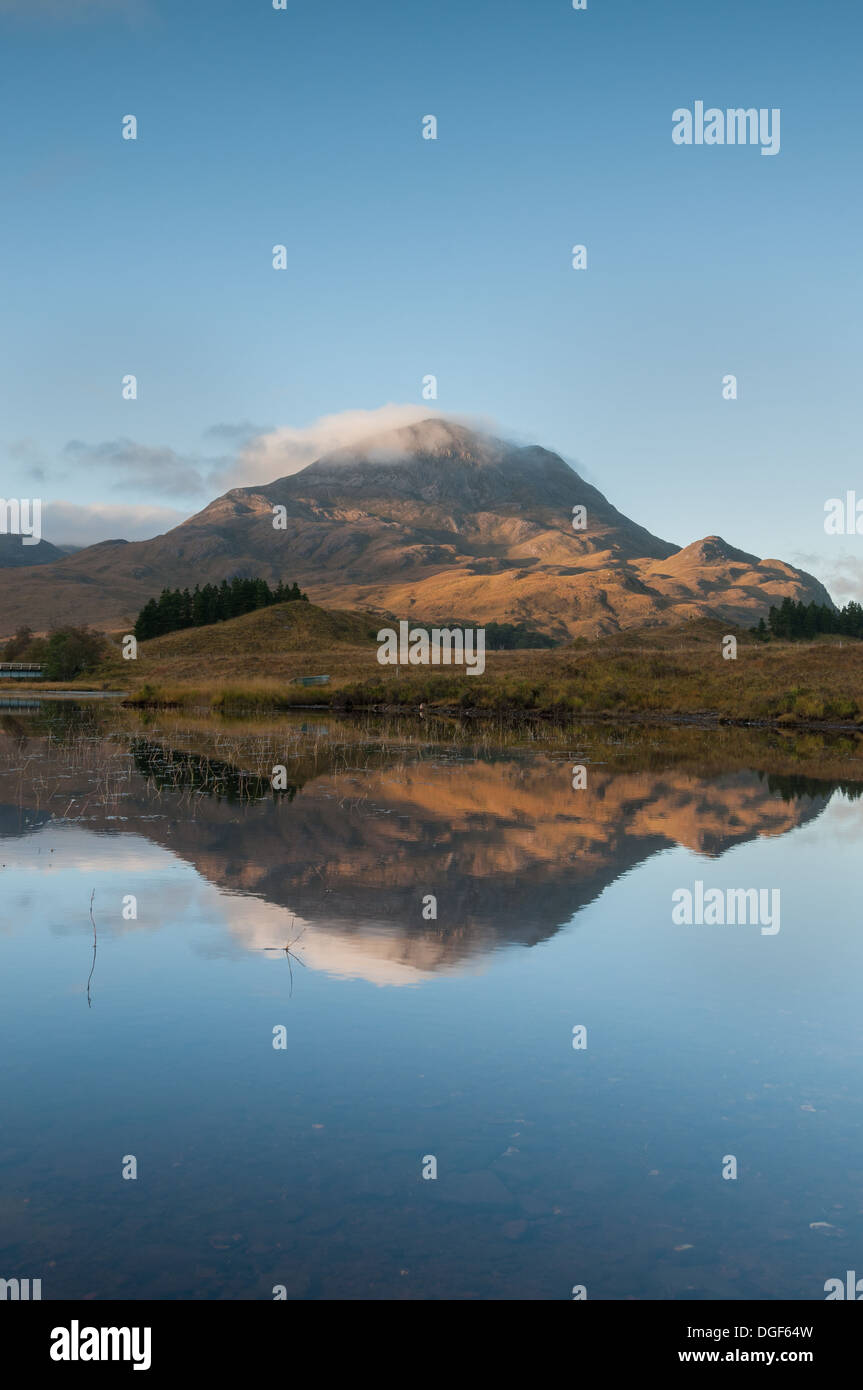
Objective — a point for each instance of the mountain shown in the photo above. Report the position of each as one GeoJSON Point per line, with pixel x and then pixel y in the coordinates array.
{"type": "Point", "coordinates": [432, 521]}
{"type": "Point", "coordinates": [14, 554]}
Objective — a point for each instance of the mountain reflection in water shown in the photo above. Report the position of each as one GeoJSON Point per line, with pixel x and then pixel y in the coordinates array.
{"type": "Point", "coordinates": [506, 845]}
{"type": "Point", "coordinates": [165, 915]}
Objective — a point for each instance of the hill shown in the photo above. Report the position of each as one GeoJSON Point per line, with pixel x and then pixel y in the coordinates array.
{"type": "Point", "coordinates": [282, 627]}
{"type": "Point", "coordinates": [14, 554]}
{"type": "Point", "coordinates": [268, 647]}
{"type": "Point", "coordinates": [432, 519]}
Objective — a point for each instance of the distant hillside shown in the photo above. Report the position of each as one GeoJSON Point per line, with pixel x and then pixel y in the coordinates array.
{"type": "Point", "coordinates": [433, 519]}
{"type": "Point", "coordinates": [14, 554]}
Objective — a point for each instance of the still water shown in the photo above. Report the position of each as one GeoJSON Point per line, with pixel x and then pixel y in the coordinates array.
{"type": "Point", "coordinates": [163, 911]}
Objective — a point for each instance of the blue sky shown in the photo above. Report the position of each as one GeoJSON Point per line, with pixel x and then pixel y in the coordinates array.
{"type": "Point", "coordinates": [452, 257]}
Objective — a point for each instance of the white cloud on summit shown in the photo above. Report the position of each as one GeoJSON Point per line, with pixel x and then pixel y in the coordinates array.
{"type": "Point", "coordinates": [289, 449]}
{"type": "Point", "coordinates": [253, 456]}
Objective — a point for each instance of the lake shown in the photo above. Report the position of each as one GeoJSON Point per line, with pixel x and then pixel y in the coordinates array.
{"type": "Point", "coordinates": [420, 1024]}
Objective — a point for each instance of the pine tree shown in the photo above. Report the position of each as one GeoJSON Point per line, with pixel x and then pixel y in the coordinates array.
{"type": "Point", "coordinates": [176, 609]}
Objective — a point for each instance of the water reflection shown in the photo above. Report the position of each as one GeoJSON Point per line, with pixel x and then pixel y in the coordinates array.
{"type": "Point", "coordinates": [364, 832]}
{"type": "Point", "coordinates": [160, 841]}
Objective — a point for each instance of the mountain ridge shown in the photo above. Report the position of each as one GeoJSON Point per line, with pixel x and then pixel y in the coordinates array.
{"type": "Point", "coordinates": [433, 519]}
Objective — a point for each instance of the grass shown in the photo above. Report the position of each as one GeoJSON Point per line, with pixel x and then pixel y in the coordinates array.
{"type": "Point", "coordinates": [248, 664]}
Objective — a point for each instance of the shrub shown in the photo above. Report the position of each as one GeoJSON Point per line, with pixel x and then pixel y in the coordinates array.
{"type": "Point", "coordinates": [71, 652]}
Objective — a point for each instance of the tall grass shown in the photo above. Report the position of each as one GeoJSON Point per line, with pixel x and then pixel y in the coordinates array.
{"type": "Point", "coordinates": [668, 674]}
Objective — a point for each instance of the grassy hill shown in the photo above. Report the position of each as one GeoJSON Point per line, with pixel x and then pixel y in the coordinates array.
{"type": "Point", "coordinates": [250, 659]}
{"type": "Point", "coordinates": [250, 663]}
{"type": "Point", "coordinates": [280, 628]}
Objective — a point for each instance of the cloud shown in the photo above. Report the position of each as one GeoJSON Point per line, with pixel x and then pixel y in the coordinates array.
{"type": "Point", "coordinates": [842, 576]}
{"type": "Point", "coordinates": [253, 455]}
{"type": "Point", "coordinates": [287, 450]}
{"type": "Point", "coordinates": [69, 523]}
{"type": "Point", "coordinates": [142, 467]}
{"type": "Point", "coordinates": [27, 453]}
{"type": "Point", "coordinates": [238, 434]}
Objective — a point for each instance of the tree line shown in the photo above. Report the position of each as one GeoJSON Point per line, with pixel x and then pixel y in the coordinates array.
{"type": "Point", "coordinates": [798, 621]}
{"type": "Point", "coordinates": [508, 637]}
{"type": "Point", "coordinates": [215, 603]}
{"type": "Point", "coordinates": [65, 653]}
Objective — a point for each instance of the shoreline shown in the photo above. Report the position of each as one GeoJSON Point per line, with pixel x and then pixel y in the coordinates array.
{"type": "Point", "coordinates": [703, 719]}
{"type": "Point", "coordinates": [63, 693]}
{"type": "Point", "coordinates": [697, 719]}
{"type": "Point", "coordinates": [815, 688]}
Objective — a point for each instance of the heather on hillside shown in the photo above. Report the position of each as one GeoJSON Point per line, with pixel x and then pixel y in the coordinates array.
{"type": "Point", "coordinates": [215, 603]}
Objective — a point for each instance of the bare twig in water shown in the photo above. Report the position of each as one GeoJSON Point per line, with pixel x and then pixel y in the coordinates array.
{"type": "Point", "coordinates": [93, 966]}
{"type": "Point", "coordinates": [289, 955]}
